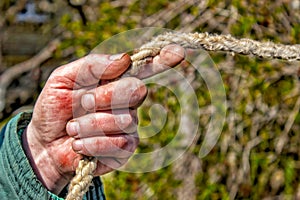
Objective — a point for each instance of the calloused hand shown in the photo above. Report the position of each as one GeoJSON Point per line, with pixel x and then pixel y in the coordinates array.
{"type": "Point", "coordinates": [84, 109]}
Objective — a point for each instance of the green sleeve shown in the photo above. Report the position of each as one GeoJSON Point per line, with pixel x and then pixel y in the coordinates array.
{"type": "Point", "coordinates": [17, 179]}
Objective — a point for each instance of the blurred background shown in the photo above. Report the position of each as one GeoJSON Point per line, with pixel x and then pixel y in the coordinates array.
{"type": "Point", "coordinates": [257, 154]}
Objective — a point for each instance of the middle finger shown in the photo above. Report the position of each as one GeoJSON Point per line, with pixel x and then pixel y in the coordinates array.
{"type": "Point", "coordinates": [124, 93]}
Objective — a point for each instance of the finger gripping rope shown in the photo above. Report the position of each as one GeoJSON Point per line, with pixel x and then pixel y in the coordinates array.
{"type": "Point", "coordinates": [210, 42]}
{"type": "Point", "coordinates": [213, 42]}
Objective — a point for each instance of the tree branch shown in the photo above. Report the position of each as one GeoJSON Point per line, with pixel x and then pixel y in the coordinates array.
{"type": "Point", "coordinates": [15, 71]}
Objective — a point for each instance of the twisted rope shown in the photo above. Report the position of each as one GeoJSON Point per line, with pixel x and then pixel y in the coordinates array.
{"type": "Point", "coordinates": [210, 42]}
{"type": "Point", "coordinates": [82, 179]}
{"type": "Point", "coordinates": [213, 42]}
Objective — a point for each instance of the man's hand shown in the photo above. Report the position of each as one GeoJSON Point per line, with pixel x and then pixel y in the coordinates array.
{"type": "Point", "coordinates": [84, 110]}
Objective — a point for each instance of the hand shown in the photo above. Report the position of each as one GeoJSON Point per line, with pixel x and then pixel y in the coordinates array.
{"type": "Point", "coordinates": [83, 111]}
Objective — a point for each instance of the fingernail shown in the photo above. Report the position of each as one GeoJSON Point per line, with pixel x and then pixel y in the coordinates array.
{"type": "Point", "coordinates": [77, 145]}
{"type": "Point", "coordinates": [116, 56]}
{"type": "Point", "coordinates": [73, 128]}
{"type": "Point", "coordinates": [88, 102]}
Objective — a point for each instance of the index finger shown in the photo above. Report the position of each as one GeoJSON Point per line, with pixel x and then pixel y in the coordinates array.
{"type": "Point", "coordinates": [92, 68]}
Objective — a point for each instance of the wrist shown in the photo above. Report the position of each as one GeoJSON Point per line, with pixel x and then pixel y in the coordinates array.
{"type": "Point", "coordinates": [42, 163]}
{"type": "Point", "coordinates": [29, 156]}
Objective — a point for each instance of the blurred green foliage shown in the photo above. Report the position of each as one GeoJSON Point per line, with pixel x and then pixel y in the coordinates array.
{"type": "Point", "coordinates": [255, 89]}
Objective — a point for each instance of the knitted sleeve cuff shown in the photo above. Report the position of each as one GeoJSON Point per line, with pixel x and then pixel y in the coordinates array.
{"type": "Point", "coordinates": [18, 179]}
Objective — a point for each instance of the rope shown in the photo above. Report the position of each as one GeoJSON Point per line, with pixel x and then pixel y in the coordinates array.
{"type": "Point", "coordinates": [213, 42]}
{"type": "Point", "coordinates": [82, 179]}
{"type": "Point", "coordinates": [210, 42]}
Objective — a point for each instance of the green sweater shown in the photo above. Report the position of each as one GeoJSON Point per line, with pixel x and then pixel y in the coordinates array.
{"type": "Point", "coordinates": [17, 179]}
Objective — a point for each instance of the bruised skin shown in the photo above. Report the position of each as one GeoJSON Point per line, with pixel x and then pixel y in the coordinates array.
{"type": "Point", "coordinates": [105, 116]}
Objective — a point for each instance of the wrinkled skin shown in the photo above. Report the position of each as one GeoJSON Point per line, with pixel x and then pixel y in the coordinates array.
{"type": "Point", "coordinates": [85, 110]}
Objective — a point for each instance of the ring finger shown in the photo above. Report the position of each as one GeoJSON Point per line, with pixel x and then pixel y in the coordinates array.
{"type": "Point", "coordinates": [103, 123]}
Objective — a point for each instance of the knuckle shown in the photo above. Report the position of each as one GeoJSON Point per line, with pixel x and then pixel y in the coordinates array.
{"type": "Point", "coordinates": [92, 56]}
{"type": "Point", "coordinates": [127, 146]}
{"type": "Point", "coordinates": [125, 143]}
{"type": "Point", "coordinates": [96, 124]}
{"type": "Point", "coordinates": [132, 143]}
